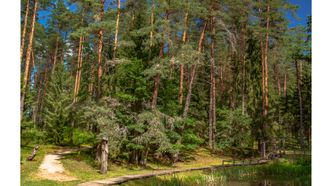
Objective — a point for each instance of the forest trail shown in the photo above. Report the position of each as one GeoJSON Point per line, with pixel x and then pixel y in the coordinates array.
{"type": "Point", "coordinates": [52, 169]}
{"type": "Point", "coordinates": [122, 179]}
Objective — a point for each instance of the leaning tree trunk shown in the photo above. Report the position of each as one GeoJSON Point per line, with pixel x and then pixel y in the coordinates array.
{"type": "Point", "coordinates": [28, 57]}
{"type": "Point", "coordinates": [181, 79]}
{"type": "Point", "coordinates": [24, 29]}
{"type": "Point", "coordinates": [192, 74]}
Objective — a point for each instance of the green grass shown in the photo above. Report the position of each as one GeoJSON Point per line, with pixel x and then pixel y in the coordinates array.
{"type": "Point", "coordinates": [29, 169]}
{"type": "Point", "coordinates": [280, 172]}
{"type": "Point", "coordinates": [83, 166]}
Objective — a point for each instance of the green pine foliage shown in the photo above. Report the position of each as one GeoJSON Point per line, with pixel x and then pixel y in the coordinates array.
{"type": "Point", "coordinates": [57, 107]}
{"type": "Point", "coordinates": [122, 109]}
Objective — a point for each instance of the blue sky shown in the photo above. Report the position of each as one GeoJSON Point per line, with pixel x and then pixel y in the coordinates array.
{"type": "Point", "coordinates": [303, 11]}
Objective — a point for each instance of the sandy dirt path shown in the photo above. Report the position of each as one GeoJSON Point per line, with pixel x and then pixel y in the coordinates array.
{"type": "Point", "coordinates": [52, 169]}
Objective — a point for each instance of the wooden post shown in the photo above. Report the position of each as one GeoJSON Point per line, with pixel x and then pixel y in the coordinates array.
{"type": "Point", "coordinates": [263, 150]}
{"type": "Point", "coordinates": [104, 155]}
{"type": "Point", "coordinates": [33, 154]}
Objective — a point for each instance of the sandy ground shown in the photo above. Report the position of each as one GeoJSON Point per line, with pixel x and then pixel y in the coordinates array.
{"type": "Point", "coordinates": [52, 169]}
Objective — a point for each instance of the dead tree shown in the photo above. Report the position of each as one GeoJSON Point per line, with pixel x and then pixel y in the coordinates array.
{"type": "Point", "coordinates": [33, 154]}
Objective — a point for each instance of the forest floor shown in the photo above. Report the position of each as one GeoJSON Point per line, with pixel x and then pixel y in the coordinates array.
{"type": "Point", "coordinates": [55, 165]}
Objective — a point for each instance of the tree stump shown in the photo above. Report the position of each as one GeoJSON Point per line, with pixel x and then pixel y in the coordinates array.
{"type": "Point", "coordinates": [33, 154]}
{"type": "Point", "coordinates": [104, 155]}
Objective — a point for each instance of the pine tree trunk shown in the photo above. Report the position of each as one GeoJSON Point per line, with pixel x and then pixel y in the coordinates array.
{"type": "Point", "coordinates": [181, 79]}
{"type": "Point", "coordinates": [117, 26]}
{"type": "Point", "coordinates": [266, 65]}
{"type": "Point", "coordinates": [55, 53]}
{"type": "Point", "coordinates": [221, 81]}
{"type": "Point", "coordinates": [100, 45]}
{"type": "Point", "coordinates": [263, 58]}
{"type": "Point", "coordinates": [152, 24]}
{"type": "Point", "coordinates": [90, 85]}
{"type": "Point", "coordinates": [278, 81]}
{"type": "Point", "coordinates": [78, 69]}
{"type": "Point", "coordinates": [24, 29]}
{"type": "Point", "coordinates": [243, 50]}
{"type": "Point", "coordinates": [263, 69]}
{"type": "Point", "coordinates": [192, 74]}
{"type": "Point", "coordinates": [80, 66]}
{"type": "Point", "coordinates": [285, 86]}
{"type": "Point", "coordinates": [39, 88]}
{"type": "Point", "coordinates": [157, 79]}
{"type": "Point", "coordinates": [151, 32]}
{"type": "Point", "coordinates": [301, 131]}
{"type": "Point", "coordinates": [212, 102]}
{"type": "Point", "coordinates": [28, 57]}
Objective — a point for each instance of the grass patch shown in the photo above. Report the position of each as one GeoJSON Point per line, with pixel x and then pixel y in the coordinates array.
{"type": "Point", "coordinates": [29, 169]}
{"type": "Point", "coordinates": [280, 172]}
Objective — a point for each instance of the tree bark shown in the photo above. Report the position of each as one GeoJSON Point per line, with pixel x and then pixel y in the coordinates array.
{"type": "Point", "coordinates": [28, 57]}
{"type": "Point", "coordinates": [181, 79]}
{"type": "Point", "coordinates": [100, 45]}
{"type": "Point", "coordinates": [243, 58]}
{"type": "Point", "coordinates": [212, 102]}
{"type": "Point", "coordinates": [117, 26]}
{"type": "Point", "coordinates": [266, 64]}
{"type": "Point", "coordinates": [278, 81]}
{"type": "Point", "coordinates": [152, 24]}
{"type": "Point", "coordinates": [90, 85]}
{"type": "Point", "coordinates": [78, 68]}
{"type": "Point", "coordinates": [39, 88]}
{"type": "Point", "coordinates": [24, 29]}
{"type": "Point", "coordinates": [55, 53]}
{"type": "Point", "coordinates": [192, 74]}
{"type": "Point", "coordinates": [285, 86]}
{"type": "Point", "coordinates": [301, 131]}
{"type": "Point", "coordinates": [221, 81]}
{"type": "Point", "coordinates": [157, 79]}
{"type": "Point", "coordinates": [104, 156]}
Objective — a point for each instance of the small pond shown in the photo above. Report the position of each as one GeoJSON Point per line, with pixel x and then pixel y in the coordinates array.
{"type": "Point", "coordinates": [276, 174]}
